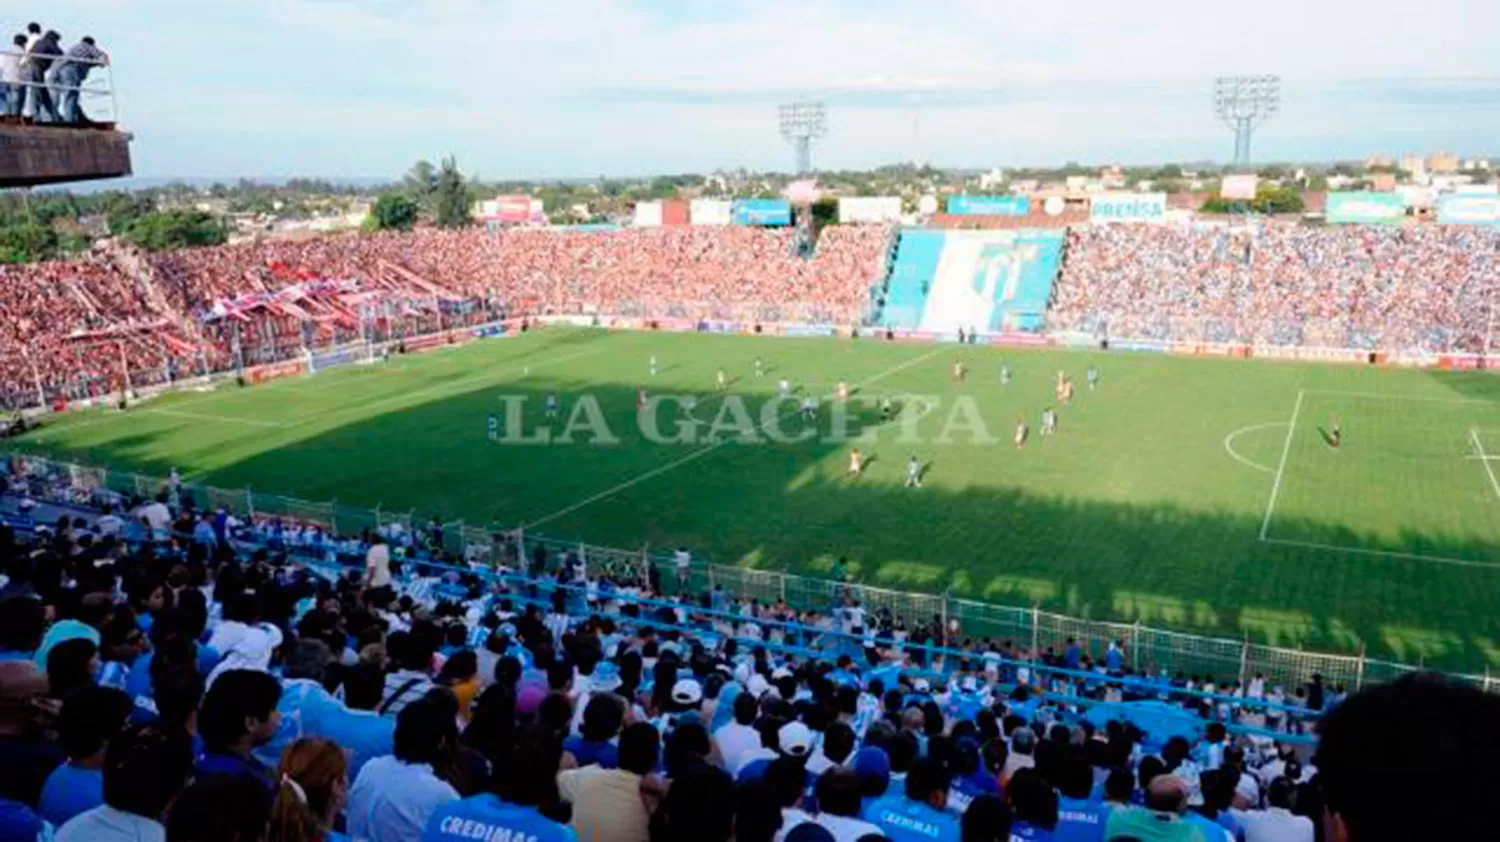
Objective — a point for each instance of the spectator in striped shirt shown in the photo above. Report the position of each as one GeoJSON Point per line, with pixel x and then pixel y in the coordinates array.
{"type": "Point", "coordinates": [70, 74]}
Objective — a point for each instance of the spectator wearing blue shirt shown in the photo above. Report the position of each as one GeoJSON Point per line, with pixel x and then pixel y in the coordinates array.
{"type": "Point", "coordinates": [312, 786]}
{"type": "Point", "coordinates": [595, 744]}
{"type": "Point", "coordinates": [920, 815]}
{"type": "Point", "coordinates": [90, 718]}
{"type": "Point", "coordinates": [394, 796]}
{"type": "Point", "coordinates": [239, 713]}
{"type": "Point", "coordinates": [309, 710]}
{"type": "Point", "coordinates": [524, 787]}
{"type": "Point", "coordinates": [970, 778]}
{"type": "Point", "coordinates": [1033, 806]}
{"type": "Point", "coordinates": [1079, 819]}
{"type": "Point", "coordinates": [145, 769]}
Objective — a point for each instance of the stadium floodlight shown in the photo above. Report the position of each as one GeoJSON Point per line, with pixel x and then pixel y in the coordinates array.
{"type": "Point", "coordinates": [1244, 103]}
{"type": "Point", "coordinates": [802, 123]}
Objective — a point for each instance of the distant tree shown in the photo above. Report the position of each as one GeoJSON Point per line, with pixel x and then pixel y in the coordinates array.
{"type": "Point", "coordinates": [393, 212]}
{"type": "Point", "coordinates": [161, 230]}
{"type": "Point", "coordinates": [451, 197]}
{"type": "Point", "coordinates": [420, 184]}
{"type": "Point", "coordinates": [27, 243]}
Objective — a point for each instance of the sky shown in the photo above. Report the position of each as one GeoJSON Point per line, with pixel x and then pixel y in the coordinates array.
{"type": "Point", "coordinates": [579, 88]}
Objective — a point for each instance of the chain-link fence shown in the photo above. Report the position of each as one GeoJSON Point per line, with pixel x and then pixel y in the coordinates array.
{"type": "Point", "coordinates": [1144, 649]}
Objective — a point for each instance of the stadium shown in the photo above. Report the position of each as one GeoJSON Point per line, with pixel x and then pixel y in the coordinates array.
{"type": "Point", "coordinates": [1055, 513]}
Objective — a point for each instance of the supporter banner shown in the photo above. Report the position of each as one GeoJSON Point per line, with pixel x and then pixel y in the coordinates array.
{"type": "Point", "coordinates": [488, 331]}
{"type": "Point", "coordinates": [1154, 345]}
{"type": "Point", "coordinates": [808, 330]}
{"type": "Point", "coordinates": [711, 211]}
{"type": "Point", "coordinates": [855, 209]}
{"type": "Point", "coordinates": [762, 212]}
{"type": "Point", "coordinates": [1365, 208]}
{"type": "Point", "coordinates": [1128, 207]}
{"type": "Point", "coordinates": [989, 205]}
{"type": "Point", "coordinates": [647, 214]}
{"type": "Point", "coordinates": [1469, 210]}
{"type": "Point", "coordinates": [333, 359]}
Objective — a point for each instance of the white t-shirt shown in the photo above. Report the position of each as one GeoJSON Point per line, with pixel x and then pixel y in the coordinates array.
{"type": "Point", "coordinates": [378, 565]}
{"type": "Point", "coordinates": [1274, 825]}
{"type": "Point", "coordinates": [735, 742]}
{"type": "Point", "coordinates": [243, 647]}
{"type": "Point", "coordinates": [157, 515]}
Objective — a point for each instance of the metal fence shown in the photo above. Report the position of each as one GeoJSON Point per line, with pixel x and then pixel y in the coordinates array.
{"type": "Point", "coordinates": [1147, 650]}
{"type": "Point", "coordinates": [44, 98]}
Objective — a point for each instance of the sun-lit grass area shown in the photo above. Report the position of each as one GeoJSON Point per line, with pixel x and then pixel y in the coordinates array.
{"type": "Point", "coordinates": [1203, 494]}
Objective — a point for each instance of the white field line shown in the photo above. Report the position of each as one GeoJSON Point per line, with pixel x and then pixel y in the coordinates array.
{"type": "Point", "coordinates": [707, 449]}
{"type": "Point", "coordinates": [1484, 457]}
{"type": "Point", "coordinates": [221, 419]}
{"type": "Point", "coordinates": [1433, 559]}
{"type": "Point", "coordinates": [1286, 449]}
{"type": "Point", "coordinates": [1229, 444]}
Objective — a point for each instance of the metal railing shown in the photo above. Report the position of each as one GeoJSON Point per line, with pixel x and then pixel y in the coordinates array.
{"type": "Point", "coordinates": [1147, 650]}
{"type": "Point", "coordinates": [96, 92]}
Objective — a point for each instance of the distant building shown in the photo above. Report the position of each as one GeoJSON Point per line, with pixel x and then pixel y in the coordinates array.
{"type": "Point", "coordinates": [992, 179]}
{"type": "Point", "coordinates": [1378, 160]}
{"type": "Point", "coordinates": [1413, 163]}
{"type": "Point", "coordinates": [1477, 164]}
{"type": "Point", "coordinates": [1444, 162]}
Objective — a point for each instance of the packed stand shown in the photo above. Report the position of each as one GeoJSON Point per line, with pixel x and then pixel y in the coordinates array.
{"type": "Point", "coordinates": [1419, 288]}
{"type": "Point", "coordinates": [195, 685]}
{"type": "Point", "coordinates": [212, 309]}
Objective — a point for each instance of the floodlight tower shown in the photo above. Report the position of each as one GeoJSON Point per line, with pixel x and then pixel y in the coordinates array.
{"type": "Point", "coordinates": [802, 123]}
{"type": "Point", "coordinates": [1244, 103]}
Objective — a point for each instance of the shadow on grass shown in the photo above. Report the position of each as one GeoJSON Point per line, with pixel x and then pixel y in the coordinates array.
{"type": "Point", "coordinates": [788, 506]}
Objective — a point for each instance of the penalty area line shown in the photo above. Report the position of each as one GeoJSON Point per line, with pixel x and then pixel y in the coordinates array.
{"type": "Point", "coordinates": [1484, 458]}
{"type": "Point", "coordinates": [707, 449]}
{"type": "Point", "coordinates": [222, 419]}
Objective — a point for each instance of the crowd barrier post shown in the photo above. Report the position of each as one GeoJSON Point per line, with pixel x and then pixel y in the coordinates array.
{"type": "Point", "coordinates": [1036, 625]}
{"type": "Point", "coordinates": [1359, 670]}
{"type": "Point", "coordinates": [1244, 660]}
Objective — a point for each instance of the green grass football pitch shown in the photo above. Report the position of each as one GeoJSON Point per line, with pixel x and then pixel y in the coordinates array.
{"type": "Point", "coordinates": [1200, 494]}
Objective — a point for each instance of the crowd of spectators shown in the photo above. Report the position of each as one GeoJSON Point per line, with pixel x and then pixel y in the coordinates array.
{"type": "Point", "coordinates": [161, 684]}
{"type": "Point", "coordinates": [164, 314]}
{"type": "Point", "coordinates": [1423, 288]}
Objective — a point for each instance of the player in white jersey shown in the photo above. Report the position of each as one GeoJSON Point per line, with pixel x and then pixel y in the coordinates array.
{"type": "Point", "coordinates": [721, 380]}
{"type": "Point", "coordinates": [652, 366]}
{"type": "Point", "coordinates": [913, 472]}
{"type": "Point", "coordinates": [809, 408]}
{"type": "Point", "coordinates": [785, 387]}
{"type": "Point", "coordinates": [760, 368]}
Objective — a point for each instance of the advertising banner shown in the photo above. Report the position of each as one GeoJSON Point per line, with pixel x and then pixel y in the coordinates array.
{"type": "Point", "coordinates": [711, 211]}
{"type": "Point", "coordinates": [989, 205]}
{"type": "Point", "coordinates": [647, 214]}
{"type": "Point", "coordinates": [809, 330]}
{"type": "Point", "coordinates": [1018, 339]}
{"type": "Point", "coordinates": [1469, 210]}
{"type": "Point", "coordinates": [1365, 208]}
{"type": "Point", "coordinates": [1128, 207]}
{"type": "Point", "coordinates": [1154, 345]}
{"type": "Point", "coordinates": [1238, 187]}
{"type": "Point", "coordinates": [508, 209]}
{"type": "Point", "coordinates": [856, 209]}
{"type": "Point", "coordinates": [762, 212]}
{"type": "Point", "coordinates": [674, 212]}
